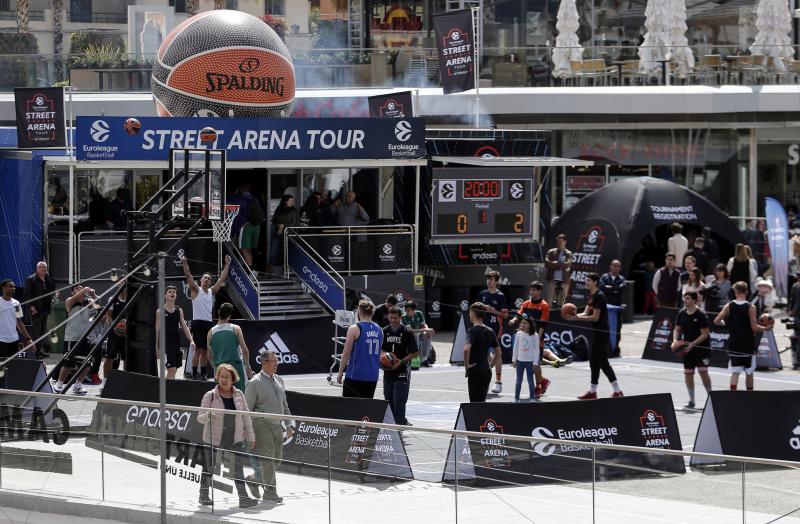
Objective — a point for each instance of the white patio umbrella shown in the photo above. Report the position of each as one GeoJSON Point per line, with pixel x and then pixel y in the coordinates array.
{"type": "Point", "coordinates": [657, 39]}
{"type": "Point", "coordinates": [680, 51]}
{"type": "Point", "coordinates": [567, 45]}
{"type": "Point", "coordinates": [774, 24]}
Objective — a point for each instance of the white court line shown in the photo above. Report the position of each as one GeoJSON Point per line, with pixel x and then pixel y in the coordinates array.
{"type": "Point", "coordinates": [667, 365]}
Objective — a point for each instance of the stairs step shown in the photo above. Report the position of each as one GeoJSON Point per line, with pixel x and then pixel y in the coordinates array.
{"type": "Point", "coordinates": [278, 309]}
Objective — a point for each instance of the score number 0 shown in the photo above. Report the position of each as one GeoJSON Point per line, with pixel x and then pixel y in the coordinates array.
{"type": "Point", "coordinates": [462, 223]}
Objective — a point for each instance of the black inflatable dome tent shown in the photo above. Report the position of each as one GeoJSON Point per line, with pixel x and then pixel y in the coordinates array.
{"type": "Point", "coordinates": [611, 222]}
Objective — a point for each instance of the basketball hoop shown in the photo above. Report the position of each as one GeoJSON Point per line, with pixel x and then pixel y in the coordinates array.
{"type": "Point", "coordinates": [222, 228]}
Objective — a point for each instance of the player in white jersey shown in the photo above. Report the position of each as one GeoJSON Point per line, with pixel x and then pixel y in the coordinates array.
{"type": "Point", "coordinates": [202, 304]}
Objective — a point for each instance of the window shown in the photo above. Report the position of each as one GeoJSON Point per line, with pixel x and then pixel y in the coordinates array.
{"type": "Point", "coordinates": [80, 10]}
{"type": "Point", "coordinates": [275, 7]}
{"type": "Point", "coordinates": [179, 5]}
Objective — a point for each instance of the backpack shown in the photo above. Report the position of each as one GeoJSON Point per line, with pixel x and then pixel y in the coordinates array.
{"type": "Point", "coordinates": [255, 215]}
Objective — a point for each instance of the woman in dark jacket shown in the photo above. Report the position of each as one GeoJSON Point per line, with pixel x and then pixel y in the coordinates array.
{"type": "Point", "coordinates": [285, 216]}
{"type": "Point", "coordinates": [310, 213]}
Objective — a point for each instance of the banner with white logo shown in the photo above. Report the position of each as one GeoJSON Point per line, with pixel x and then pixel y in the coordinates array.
{"type": "Point", "coordinates": [778, 237]}
{"type": "Point", "coordinates": [355, 453]}
{"type": "Point", "coordinates": [393, 105]}
{"type": "Point", "coordinates": [244, 287]}
{"type": "Point", "coordinates": [315, 277]}
{"type": "Point", "coordinates": [454, 46]}
{"type": "Point", "coordinates": [763, 424]}
{"type": "Point", "coordinates": [253, 139]}
{"type": "Point", "coordinates": [659, 342]}
{"type": "Point", "coordinates": [41, 119]}
{"type": "Point", "coordinates": [646, 421]}
{"type": "Point", "coordinates": [303, 346]}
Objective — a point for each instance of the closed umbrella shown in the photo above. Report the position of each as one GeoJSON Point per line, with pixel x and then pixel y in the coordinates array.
{"type": "Point", "coordinates": [680, 51]}
{"type": "Point", "coordinates": [567, 45]}
{"type": "Point", "coordinates": [657, 39]}
{"type": "Point", "coordinates": [774, 24]}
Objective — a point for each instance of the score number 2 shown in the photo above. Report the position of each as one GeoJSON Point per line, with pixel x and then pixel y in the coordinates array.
{"type": "Point", "coordinates": [519, 219]}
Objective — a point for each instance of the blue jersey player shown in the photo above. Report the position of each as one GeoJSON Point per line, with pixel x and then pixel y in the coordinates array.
{"type": "Point", "coordinates": [361, 355]}
{"type": "Point", "coordinates": [496, 312]}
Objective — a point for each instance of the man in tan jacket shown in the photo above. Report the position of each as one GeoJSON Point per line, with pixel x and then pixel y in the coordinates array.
{"type": "Point", "coordinates": [266, 393]}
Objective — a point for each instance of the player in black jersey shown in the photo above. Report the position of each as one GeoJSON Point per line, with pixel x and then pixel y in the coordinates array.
{"type": "Point", "coordinates": [480, 339]}
{"type": "Point", "coordinates": [496, 313]}
{"type": "Point", "coordinates": [174, 323]}
{"type": "Point", "coordinates": [740, 317]}
{"type": "Point", "coordinates": [691, 330]}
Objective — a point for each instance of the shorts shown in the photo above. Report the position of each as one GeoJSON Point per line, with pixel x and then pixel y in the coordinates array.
{"type": "Point", "coordinates": [174, 356]}
{"type": "Point", "coordinates": [8, 349]}
{"type": "Point", "coordinates": [115, 347]}
{"type": "Point", "coordinates": [742, 363]}
{"type": "Point", "coordinates": [358, 388]}
{"type": "Point", "coordinates": [698, 358]}
{"type": "Point", "coordinates": [80, 354]}
{"type": "Point", "coordinates": [248, 236]}
{"type": "Point", "coordinates": [200, 329]}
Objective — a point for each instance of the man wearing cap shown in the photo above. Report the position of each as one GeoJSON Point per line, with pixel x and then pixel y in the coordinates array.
{"type": "Point", "coordinates": [266, 393]}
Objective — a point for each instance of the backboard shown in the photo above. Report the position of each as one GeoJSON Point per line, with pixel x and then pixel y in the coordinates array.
{"type": "Point", "coordinates": [206, 195]}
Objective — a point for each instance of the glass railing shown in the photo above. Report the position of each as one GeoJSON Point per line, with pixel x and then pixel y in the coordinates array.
{"type": "Point", "coordinates": [419, 68]}
{"type": "Point", "coordinates": [79, 454]}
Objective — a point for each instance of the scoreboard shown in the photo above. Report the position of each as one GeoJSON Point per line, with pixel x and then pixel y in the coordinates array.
{"type": "Point", "coordinates": [482, 205]}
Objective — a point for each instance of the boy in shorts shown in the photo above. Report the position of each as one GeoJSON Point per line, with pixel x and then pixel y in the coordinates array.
{"type": "Point", "coordinates": [691, 330]}
{"type": "Point", "coordinates": [740, 317]}
{"type": "Point", "coordinates": [174, 323]}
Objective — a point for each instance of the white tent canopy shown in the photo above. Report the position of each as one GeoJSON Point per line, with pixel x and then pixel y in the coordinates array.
{"type": "Point", "coordinates": [656, 43]}
{"type": "Point", "coordinates": [567, 47]}
{"type": "Point", "coordinates": [774, 24]}
{"type": "Point", "coordinates": [680, 51]}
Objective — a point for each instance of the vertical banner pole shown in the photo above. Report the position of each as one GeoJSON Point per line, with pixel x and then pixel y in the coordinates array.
{"type": "Point", "coordinates": [162, 384]}
{"type": "Point", "coordinates": [476, 14]}
{"type": "Point", "coordinates": [71, 152]}
{"type": "Point", "coordinates": [415, 235]}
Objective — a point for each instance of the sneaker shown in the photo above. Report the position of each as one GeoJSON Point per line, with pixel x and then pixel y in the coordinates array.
{"type": "Point", "coordinates": [617, 394]}
{"type": "Point", "coordinates": [102, 385]}
{"type": "Point", "coordinates": [589, 395]}
{"type": "Point", "coordinates": [271, 496]}
{"type": "Point", "coordinates": [537, 391]}
{"type": "Point", "coordinates": [58, 387]}
{"type": "Point", "coordinates": [42, 353]}
{"type": "Point", "coordinates": [187, 375]}
{"type": "Point", "coordinates": [555, 363]}
{"type": "Point", "coordinates": [689, 405]}
{"type": "Point", "coordinates": [205, 500]}
{"type": "Point", "coordinates": [247, 502]}
{"type": "Point", "coordinates": [77, 389]}
{"type": "Point", "coordinates": [95, 379]}
{"type": "Point", "coordinates": [498, 387]}
{"type": "Point", "coordinates": [545, 385]}
{"type": "Point", "coordinates": [567, 360]}
{"type": "Point", "coordinates": [87, 380]}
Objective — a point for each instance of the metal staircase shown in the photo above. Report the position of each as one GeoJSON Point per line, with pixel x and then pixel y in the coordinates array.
{"type": "Point", "coordinates": [282, 299]}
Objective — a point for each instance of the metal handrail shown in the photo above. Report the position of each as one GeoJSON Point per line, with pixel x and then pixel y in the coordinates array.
{"type": "Point", "coordinates": [314, 255]}
{"type": "Point", "coordinates": [416, 428]}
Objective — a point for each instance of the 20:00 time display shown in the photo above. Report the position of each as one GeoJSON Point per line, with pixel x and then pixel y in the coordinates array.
{"type": "Point", "coordinates": [482, 189]}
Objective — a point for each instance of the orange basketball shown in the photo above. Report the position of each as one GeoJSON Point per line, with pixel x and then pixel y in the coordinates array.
{"type": "Point", "coordinates": [387, 360]}
{"type": "Point", "coordinates": [223, 61]}
{"type": "Point", "coordinates": [766, 320]}
{"type": "Point", "coordinates": [569, 310]}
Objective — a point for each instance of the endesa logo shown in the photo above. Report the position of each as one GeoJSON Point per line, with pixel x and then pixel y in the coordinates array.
{"type": "Point", "coordinates": [314, 278]}
{"type": "Point", "coordinates": [151, 417]}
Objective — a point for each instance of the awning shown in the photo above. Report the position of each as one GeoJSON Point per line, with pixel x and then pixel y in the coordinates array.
{"type": "Point", "coordinates": [513, 161]}
{"type": "Point", "coordinates": [285, 164]}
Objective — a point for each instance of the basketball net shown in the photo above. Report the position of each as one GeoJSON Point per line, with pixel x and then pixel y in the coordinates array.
{"type": "Point", "coordinates": [222, 228]}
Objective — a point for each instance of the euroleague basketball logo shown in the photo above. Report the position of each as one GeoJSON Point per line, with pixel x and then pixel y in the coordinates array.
{"type": "Point", "coordinates": [226, 63]}
{"type": "Point", "coordinates": [592, 240]}
{"type": "Point", "coordinates": [392, 109]}
{"type": "Point", "coordinates": [99, 131]}
{"type": "Point", "coordinates": [402, 130]}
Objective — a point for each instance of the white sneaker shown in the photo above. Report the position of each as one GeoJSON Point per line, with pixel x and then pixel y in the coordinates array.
{"type": "Point", "coordinates": [77, 389]}
{"type": "Point", "coordinates": [498, 387]}
{"type": "Point", "coordinates": [102, 385]}
{"type": "Point", "coordinates": [58, 387]}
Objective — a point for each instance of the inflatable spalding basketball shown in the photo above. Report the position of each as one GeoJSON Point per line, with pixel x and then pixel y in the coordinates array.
{"type": "Point", "coordinates": [222, 61]}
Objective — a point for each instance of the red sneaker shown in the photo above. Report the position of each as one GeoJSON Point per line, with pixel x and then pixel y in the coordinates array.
{"type": "Point", "coordinates": [538, 391]}
{"type": "Point", "coordinates": [96, 379]}
{"type": "Point", "coordinates": [589, 395]}
{"type": "Point", "coordinates": [545, 384]}
{"type": "Point", "coordinates": [617, 394]}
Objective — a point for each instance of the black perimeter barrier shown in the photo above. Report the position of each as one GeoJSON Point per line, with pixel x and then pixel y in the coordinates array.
{"type": "Point", "coordinates": [357, 454]}
{"type": "Point", "coordinates": [761, 424]}
{"type": "Point", "coordinates": [647, 421]}
{"type": "Point", "coordinates": [659, 340]}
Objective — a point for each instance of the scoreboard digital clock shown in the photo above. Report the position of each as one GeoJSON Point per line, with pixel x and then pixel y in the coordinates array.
{"type": "Point", "coordinates": [481, 205]}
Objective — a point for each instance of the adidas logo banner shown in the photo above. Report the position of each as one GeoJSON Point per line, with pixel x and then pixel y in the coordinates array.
{"type": "Point", "coordinates": [302, 346]}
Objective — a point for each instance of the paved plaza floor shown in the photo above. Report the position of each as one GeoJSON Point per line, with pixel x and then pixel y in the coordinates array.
{"type": "Point", "coordinates": [111, 489]}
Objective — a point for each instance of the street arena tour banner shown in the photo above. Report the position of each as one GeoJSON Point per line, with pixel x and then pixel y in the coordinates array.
{"type": "Point", "coordinates": [253, 139]}
{"type": "Point", "coordinates": [659, 342]}
{"type": "Point", "coordinates": [456, 54]}
{"type": "Point", "coordinates": [646, 421]}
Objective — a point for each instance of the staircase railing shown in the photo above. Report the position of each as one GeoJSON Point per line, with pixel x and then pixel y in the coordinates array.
{"type": "Point", "coordinates": [245, 283]}
{"type": "Point", "coordinates": [313, 270]}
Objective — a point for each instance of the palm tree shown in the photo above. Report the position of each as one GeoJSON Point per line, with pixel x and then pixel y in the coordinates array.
{"type": "Point", "coordinates": [58, 40]}
{"type": "Point", "coordinates": [23, 24]}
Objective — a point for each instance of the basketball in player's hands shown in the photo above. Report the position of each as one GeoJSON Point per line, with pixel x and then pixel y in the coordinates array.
{"type": "Point", "coordinates": [569, 310]}
{"type": "Point", "coordinates": [387, 360]}
{"type": "Point", "coordinates": [766, 321]}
